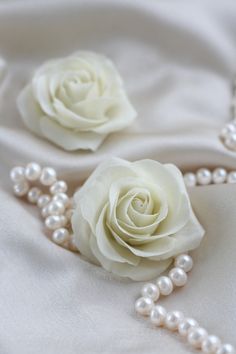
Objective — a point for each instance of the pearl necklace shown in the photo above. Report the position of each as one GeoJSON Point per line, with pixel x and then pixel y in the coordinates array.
{"type": "Point", "coordinates": [57, 208]}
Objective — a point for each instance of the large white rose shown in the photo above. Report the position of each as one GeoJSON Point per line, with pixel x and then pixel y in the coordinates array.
{"type": "Point", "coordinates": [133, 217]}
{"type": "Point", "coordinates": [76, 101]}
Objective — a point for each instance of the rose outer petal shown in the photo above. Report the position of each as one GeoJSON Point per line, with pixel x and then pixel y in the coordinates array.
{"type": "Point", "coordinates": [83, 232]}
{"type": "Point", "coordinates": [188, 238]}
{"type": "Point", "coordinates": [145, 270]}
{"type": "Point", "coordinates": [69, 140]}
{"type": "Point", "coordinates": [122, 115]}
{"type": "Point", "coordinates": [76, 121]}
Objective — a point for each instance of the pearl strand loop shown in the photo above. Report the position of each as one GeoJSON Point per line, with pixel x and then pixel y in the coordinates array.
{"type": "Point", "coordinates": [55, 205]}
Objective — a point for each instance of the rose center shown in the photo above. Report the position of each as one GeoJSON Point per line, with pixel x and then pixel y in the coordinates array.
{"type": "Point", "coordinates": [139, 205]}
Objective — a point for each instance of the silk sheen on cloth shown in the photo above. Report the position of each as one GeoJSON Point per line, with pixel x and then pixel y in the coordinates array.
{"type": "Point", "coordinates": [178, 60]}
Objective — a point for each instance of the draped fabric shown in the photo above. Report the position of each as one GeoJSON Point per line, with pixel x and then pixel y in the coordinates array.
{"type": "Point", "coordinates": [177, 61]}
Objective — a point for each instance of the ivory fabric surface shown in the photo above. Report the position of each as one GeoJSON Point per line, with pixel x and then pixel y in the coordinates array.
{"type": "Point", "coordinates": [178, 60]}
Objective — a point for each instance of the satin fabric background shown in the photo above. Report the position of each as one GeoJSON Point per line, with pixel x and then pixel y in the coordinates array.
{"type": "Point", "coordinates": [178, 60]}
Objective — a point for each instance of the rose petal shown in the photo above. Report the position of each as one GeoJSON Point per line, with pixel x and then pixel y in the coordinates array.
{"type": "Point", "coordinates": [145, 270]}
{"type": "Point", "coordinates": [130, 183]}
{"type": "Point", "coordinates": [40, 87]}
{"type": "Point", "coordinates": [108, 245]}
{"type": "Point", "coordinates": [94, 193]}
{"type": "Point", "coordinates": [176, 194]}
{"type": "Point", "coordinates": [69, 63]}
{"type": "Point", "coordinates": [187, 238]}
{"type": "Point", "coordinates": [68, 139]}
{"type": "Point", "coordinates": [158, 247]}
{"type": "Point", "coordinates": [83, 234]}
{"type": "Point", "coordinates": [122, 209]}
{"type": "Point", "coordinates": [98, 61]}
{"type": "Point", "coordinates": [95, 108]}
{"type": "Point", "coordinates": [70, 119]}
{"type": "Point", "coordinates": [121, 114]}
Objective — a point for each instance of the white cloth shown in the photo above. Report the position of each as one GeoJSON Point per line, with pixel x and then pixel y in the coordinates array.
{"type": "Point", "coordinates": [178, 61]}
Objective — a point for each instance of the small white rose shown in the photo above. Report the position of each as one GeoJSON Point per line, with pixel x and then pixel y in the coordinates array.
{"type": "Point", "coordinates": [76, 101]}
{"type": "Point", "coordinates": [134, 217]}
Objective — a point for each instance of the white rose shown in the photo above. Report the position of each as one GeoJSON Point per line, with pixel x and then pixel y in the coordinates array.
{"type": "Point", "coordinates": [133, 217]}
{"type": "Point", "coordinates": [76, 101]}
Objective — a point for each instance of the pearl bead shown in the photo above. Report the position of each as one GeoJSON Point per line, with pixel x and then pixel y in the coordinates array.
{"type": "Point", "coordinates": [33, 195]}
{"type": "Point", "coordinates": [228, 130]}
{"type": "Point", "coordinates": [184, 261]}
{"type": "Point", "coordinates": [151, 290]}
{"type": "Point", "coordinates": [21, 188]}
{"type": "Point", "coordinates": [173, 319]}
{"type": "Point", "coordinates": [185, 325]}
{"type": "Point", "coordinates": [45, 211]}
{"type": "Point", "coordinates": [48, 176]}
{"type": "Point", "coordinates": [219, 175]}
{"type": "Point", "coordinates": [53, 222]}
{"type": "Point", "coordinates": [226, 349]}
{"type": "Point", "coordinates": [32, 171]}
{"type": "Point", "coordinates": [17, 174]}
{"type": "Point", "coordinates": [190, 179]}
{"type": "Point", "coordinates": [204, 176]}
{"type": "Point", "coordinates": [56, 208]}
{"type": "Point", "coordinates": [43, 200]}
{"type": "Point", "coordinates": [158, 315]}
{"type": "Point", "coordinates": [165, 285]}
{"type": "Point", "coordinates": [211, 344]}
{"type": "Point", "coordinates": [58, 187]}
{"type": "Point", "coordinates": [144, 305]}
{"type": "Point", "coordinates": [61, 235]}
{"type": "Point", "coordinates": [231, 177]}
{"type": "Point", "coordinates": [196, 336]}
{"type": "Point", "coordinates": [62, 197]}
{"type": "Point", "coordinates": [178, 276]}
{"type": "Point", "coordinates": [230, 141]}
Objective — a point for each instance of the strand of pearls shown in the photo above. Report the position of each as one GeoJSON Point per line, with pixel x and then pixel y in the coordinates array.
{"type": "Point", "coordinates": [204, 177]}
{"type": "Point", "coordinates": [228, 132]}
{"type": "Point", "coordinates": [41, 187]}
{"type": "Point", "coordinates": [187, 328]}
